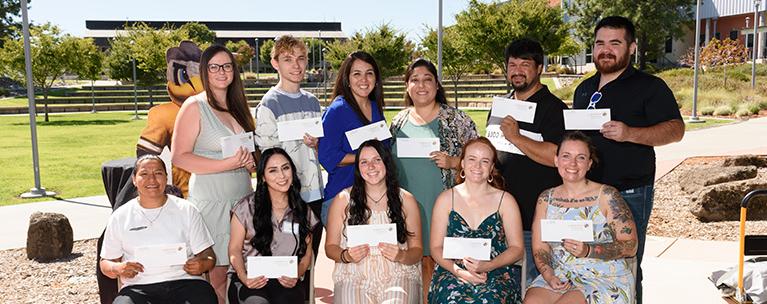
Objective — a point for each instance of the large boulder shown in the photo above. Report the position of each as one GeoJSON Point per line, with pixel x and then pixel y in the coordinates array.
{"type": "Point", "coordinates": [746, 160]}
{"type": "Point", "coordinates": [721, 202]}
{"type": "Point", "coordinates": [698, 178]}
{"type": "Point", "coordinates": [49, 236]}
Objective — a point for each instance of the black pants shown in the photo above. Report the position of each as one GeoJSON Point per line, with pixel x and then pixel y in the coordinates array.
{"type": "Point", "coordinates": [272, 293]}
{"type": "Point", "coordinates": [180, 291]}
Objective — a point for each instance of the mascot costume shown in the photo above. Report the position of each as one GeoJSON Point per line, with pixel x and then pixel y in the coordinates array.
{"type": "Point", "coordinates": [183, 74]}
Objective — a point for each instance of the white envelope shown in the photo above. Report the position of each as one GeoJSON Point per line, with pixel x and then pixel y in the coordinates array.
{"type": "Point", "coordinates": [230, 144]}
{"type": "Point", "coordinates": [416, 147]}
{"type": "Point", "coordinates": [159, 256]}
{"type": "Point", "coordinates": [556, 230]}
{"type": "Point", "coordinates": [494, 134]}
{"type": "Point", "coordinates": [586, 119]}
{"type": "Point", "coordinates": [289, 227]}
{"type": "Point", "coordinates": [371, 234]}
{"type": "Point", "coordinates": [523, 111]}
{"type": "Point", "coordinates": [377, 130]}
{"type": "Point", "coordinates": [295, 129]}
{"type": "Point", "coordinates": [454, 248]}
{"type": "Point", "coordinates": [272, 267]}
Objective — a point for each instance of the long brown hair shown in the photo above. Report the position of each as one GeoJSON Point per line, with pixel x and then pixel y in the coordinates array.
{"type": "Point", "coordinates": [497, 181]}
{"type": "Point", "coordinates": [236, 102]}
{"type": "Point", "coordinates": [421, 62]}
{"type": "Point", "coordinates": [342, 85]}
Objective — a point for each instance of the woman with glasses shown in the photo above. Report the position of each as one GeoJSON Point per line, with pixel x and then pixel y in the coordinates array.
{"type": "Point", "coordinates": [383, 273]}
{"type": "Point", "coordinates": [427, 115]}
{"type": "Point", "coordinates": [573, 271]}
{"type": "Point", "coordinates": [217, 182]}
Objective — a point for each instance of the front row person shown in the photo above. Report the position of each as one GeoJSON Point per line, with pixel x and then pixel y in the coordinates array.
{"type": "Point", "coordinates": [272, 221]}
{"type": "Point", "coordinates": [383, 272]}
{"type": "Point", "coordinates": [151, 223]}
{"type": "Point", "coordinates": [574, 271]}
{"type": "Point", "coordinates": [477, 208]}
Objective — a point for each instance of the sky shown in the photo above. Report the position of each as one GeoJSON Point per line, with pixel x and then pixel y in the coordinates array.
{"type": "Point", "coordinates": [408, 16]}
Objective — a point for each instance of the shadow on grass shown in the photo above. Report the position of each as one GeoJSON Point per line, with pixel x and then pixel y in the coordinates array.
{"type": "Point", "coordinates": [99, 122]}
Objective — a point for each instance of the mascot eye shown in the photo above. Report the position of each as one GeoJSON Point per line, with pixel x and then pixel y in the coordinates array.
{"type": "Point", "coordinates": [180, 75]}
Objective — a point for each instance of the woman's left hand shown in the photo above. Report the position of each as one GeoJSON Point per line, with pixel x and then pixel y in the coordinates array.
{"type": "Point", "coordinates": [311, 141]}
{"type": "Point", "coordinates": [287, 282]}
{"type": "Point", "coordinates": [576, 248]}
{"type": "Point", "coordinates": [390, 251]}
{"type": "Point", "coordinates": [444, 160]}
{"type": "Point", "coordinates": [476, 266]}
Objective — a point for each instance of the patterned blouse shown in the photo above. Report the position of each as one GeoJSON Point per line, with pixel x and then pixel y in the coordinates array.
{"type": "Point", "coordinates": [455, 129]}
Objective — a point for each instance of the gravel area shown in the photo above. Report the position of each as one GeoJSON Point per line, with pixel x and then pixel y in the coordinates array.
{"type": "Point", "coordinates": [671, 216]}
{"type": "Point", "coordinates": [70, 280]}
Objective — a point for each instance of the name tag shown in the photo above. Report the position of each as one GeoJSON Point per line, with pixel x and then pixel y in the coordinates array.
{"type": "Point", "coordinates": [289, 227]}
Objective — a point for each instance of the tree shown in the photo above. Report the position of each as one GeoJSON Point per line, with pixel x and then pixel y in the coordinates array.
{"type": "Point", "coordinates": [390, 48]}
{"type": "Point", "coordinates": [53, 54]}
{"type": "Point", "coordinates": [91, 64]}
{"type": "Point", "coordinates": [265, 53]}
{"type": "Point", "coordinates": [723, 53]}
{"type": "Point", "coordinates": [458, 57]}
{"type": "Point", "coordinates": [10, 19]}
{"type": "Point", "coordinates": [243, 52]}
{"type": "Point", "coordinates": [654, 20]}
{"type": "Point", "coordinates": [199, 33]}
{"type": "Point", "coordinates": [489, 27]}
{"type": "Point", "coordinates": [314, 52]}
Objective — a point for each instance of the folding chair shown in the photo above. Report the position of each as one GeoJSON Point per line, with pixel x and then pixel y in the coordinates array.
{"type": "Point", "coordinates": [749, 244]}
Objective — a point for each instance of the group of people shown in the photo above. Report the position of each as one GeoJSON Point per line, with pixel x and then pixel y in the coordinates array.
{"type": "Point", "coordinates": [466, 189]}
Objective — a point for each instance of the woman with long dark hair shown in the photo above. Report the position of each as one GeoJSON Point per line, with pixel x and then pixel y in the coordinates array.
{"type": "Point", "coordinates": [357, 101]}
{"type": "Point", "coordinates": [272, 221]}
{"type": "Point", "coordinates": [387, 273]}
{"type": "Point", "coordinates": [217, 182]}
{"type": "Point", "coordinates": [477, 207]}
{"type": "Point", "coordinates": [427, 115]}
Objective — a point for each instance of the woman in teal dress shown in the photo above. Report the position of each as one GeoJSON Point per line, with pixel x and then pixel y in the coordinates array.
{"type": "Point", "coordinates": [574, 271]}
{"type": "Point", "coordinates": [477, 208]}
{"type": "Point", "coordinates": [427, 115]}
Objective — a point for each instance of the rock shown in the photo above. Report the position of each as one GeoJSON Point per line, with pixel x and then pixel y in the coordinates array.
{"type": "Point", "coordinates": [698, 178]}
{"type": "Point", "coordinates": [721, 202]}
{"type": "Point", "coordinates": [746, 160]}
{"type": "Point", "coordinates": [49, 236]}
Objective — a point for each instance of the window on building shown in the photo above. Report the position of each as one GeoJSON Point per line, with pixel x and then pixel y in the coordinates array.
{"type": "Point", "coordinates": [750, 40]}
{"type": "Point", "coordinates": [733, 35]}
{"type": "Point", "coordinates": [589, 52]}
{"type": "Point", "coordinates": [669, 45]}
{"type": "Point", "coordinates": [718, 36]}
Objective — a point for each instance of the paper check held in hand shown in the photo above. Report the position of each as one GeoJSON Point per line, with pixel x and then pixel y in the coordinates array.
{"type": "Point", "coordinates": [499, 141]}
{"type": "Point", "coordinates": [458, 248]}
{"type": "Point", "coordinates": [523, 111]}
{"type": "Point", "coordinates": [161, 256]}
{"type": "Point", "coordinates": [230, 144]}
{"type": "Point", "coordinates": [295, 129]}
{"type": "Point", "coordinates": [416, 147]}
{"type": "Point", "coordinates": [586, 119]}
{"type": "Point", "coordinates": [557, 230]}
{"type": "Point", "coordinates": [376, 130]}
{"type": "Point", "coordinates": [371, 234]}
{"type": "Point", "coordinates": [272, 267]}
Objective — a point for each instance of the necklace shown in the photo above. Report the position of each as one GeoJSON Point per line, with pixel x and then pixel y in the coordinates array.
{"type": "Point", "coordinates": [376, 201]}
{"type": "Point", "coordinates": [156, 217]}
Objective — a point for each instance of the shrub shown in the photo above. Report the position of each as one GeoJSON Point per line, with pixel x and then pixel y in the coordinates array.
{"type": "Point", "coordinates": [4, 92]}
{"type": "Point", "coordinates": [753, 108]}
{"type": "Point", "coordinates": [723, 111]}
{"type": "Point", "coordinates": [742, 113]}
{"type": "Point", "coordinates": [707, 111]}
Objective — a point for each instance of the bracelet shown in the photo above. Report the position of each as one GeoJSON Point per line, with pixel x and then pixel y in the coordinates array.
{"type": "Point", "coordinates": [343, 259]}
{"type": "Point", "coordinates": [588, 250]}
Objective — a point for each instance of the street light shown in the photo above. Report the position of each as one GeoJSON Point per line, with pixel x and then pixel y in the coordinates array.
{"type": "Point", "coordinates": [755, 44]}
{"type": "Point", "coordinates": [258, 55]}
{"type": "Point", "coordinates": [694, 117]}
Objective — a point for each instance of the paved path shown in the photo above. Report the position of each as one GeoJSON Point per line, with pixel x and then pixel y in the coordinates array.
{"type": "Point", "coordinates": [675, 269]}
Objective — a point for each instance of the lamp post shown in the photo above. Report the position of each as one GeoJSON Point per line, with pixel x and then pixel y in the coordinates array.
{"type": "Point", "coordinates": [135, 93]}
{"type": "Point", "coordinates": [258, 54]}
{"type": "Point", "coordinates": [755, 44]}
{"type": "Point", "coordinates": [694, 117]}
{"type": "Point", "coordinates": [324, 74]}
{"type": "Point", "coordinates": [439, 44]}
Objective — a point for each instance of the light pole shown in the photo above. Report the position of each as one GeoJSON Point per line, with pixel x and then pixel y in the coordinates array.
{"type": "Point", "coordinates": [324, 74]}
{"type": "Point", "coordinates": [135, 93]}
{"type": "Point", "coordinates": [439, 43]}
{"type": "Point", "coordinates": [755, 44]}
{"type": "Point", "coordinates": [38, 190]}
{"type": "Point", "coordinates": [258, 55]}
{"type": "Point", "coordinates": [694, 117]}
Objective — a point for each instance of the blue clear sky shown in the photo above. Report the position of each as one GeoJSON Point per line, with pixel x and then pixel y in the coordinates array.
{"type": "Point", "coordinates": [408, 16]}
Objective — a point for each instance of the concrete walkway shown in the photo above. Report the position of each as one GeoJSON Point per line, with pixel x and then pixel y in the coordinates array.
{"type": "Point", "coordinates": [675, 269]}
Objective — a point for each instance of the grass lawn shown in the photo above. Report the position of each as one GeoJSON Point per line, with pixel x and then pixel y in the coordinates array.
{"type": "Point", "coordinates": [73, 147]}
{"type": "Point", "coordinates": [708, 122]}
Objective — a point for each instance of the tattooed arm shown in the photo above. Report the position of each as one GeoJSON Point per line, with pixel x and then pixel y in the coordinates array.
{"type": "Point", "coordinates": [620, 221]}
{"type": "Point", "coordinates": [542, 251]}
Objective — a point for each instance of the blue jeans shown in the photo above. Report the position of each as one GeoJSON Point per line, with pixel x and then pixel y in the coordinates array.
{"type": "Point", "coordinates": [640, 202]}
{"type": "Point", "coordinates": [324, 213]}
{"type": "Point", "coordinates": [532, 271]}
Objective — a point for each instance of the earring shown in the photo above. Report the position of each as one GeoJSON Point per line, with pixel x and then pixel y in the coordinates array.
{"type": "Point", "coordinates": [462, 174]}
{"type": "Point", "coordinates": [490, 180]}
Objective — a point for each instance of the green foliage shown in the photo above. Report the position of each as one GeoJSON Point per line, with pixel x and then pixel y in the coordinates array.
{"type": "Point", "coordinates": [458, 57]}
{"type": "Point", "coordinates": [199, 33]}
{"type": "Point", "coordinates": [243, 52]}
{"type": "Point", "coordinates": [314, 52]}
{"type": "Point", "coordinates": [265, 52]}
{"type": "Point", "coordinates": [91, 60]}
{"type": "Point", "coordinates": [147, 46]}
{"type": "Point", "coordinates": [655, 20]}
{"type": "Point", "coordinates": [707, 111]}
{"type": "Point", "coordinates": [723, 110]}
{"type": "Point", "coordinates": [10, 19]}
{"type": "Point", "coordinates": [742, 112]}
{"type": "Point", "coordinates": [390, 48]}
{"type": "Point", "coordinates": [491, 26]}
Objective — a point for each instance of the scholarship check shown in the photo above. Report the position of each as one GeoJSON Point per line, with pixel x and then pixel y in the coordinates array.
{"type": "Point", "coordinates": [165, 255]}
{"type": "Point", "coordinates": [523, 111]}
{"type": "Point", "coordinates": [586, 119]}
{"type": "Point", "coordinates": [416, 147]}
{"type": "Point", "coordinates": [295, 129]}
{"type": "Point", "coordinates": [556, 230]}
{"type": "Point", "coordinates": [272, 267]}
{"type": "Point", "coordinates": [458, 248]}
{"type": "Point", "coordinates": [371, 234]}
{"type": "Point", "coordinates": [230, 144]}
{"type": "Point", "coordinates": [377, 130]}
{"type": "Point", "coordinates": [494, 134]}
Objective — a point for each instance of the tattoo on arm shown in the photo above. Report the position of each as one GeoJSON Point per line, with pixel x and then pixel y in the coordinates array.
{"type": "Point", "coordinates": [543, 261]}
{"type": "Point", "coordinates": [621, 222]}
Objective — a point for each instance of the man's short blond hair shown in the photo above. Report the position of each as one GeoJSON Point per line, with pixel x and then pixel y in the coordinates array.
{"type": "Point", "coordinates": [286, 44]}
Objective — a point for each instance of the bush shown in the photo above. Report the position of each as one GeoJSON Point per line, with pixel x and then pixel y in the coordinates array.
{"type": "Point", "coordinates": [753, 108]}
{"type": "Point", "coordinates": [742, 113]}
{"type": "Point", "coordinates": [723, 111]}
{"type": "Point", "coordinates": [707, 111]}
{"type": "Point", "coordinates": [4, 92]}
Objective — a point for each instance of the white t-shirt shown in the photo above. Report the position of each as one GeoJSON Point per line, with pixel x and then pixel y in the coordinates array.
{"type": "Point", "coordinates": [178, 221]}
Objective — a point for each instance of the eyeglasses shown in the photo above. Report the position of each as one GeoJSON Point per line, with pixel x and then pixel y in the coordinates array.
{"type": "Point", "coordinates": [214, 68]}
{"type": "Point", "coordinates": [595, 98]}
